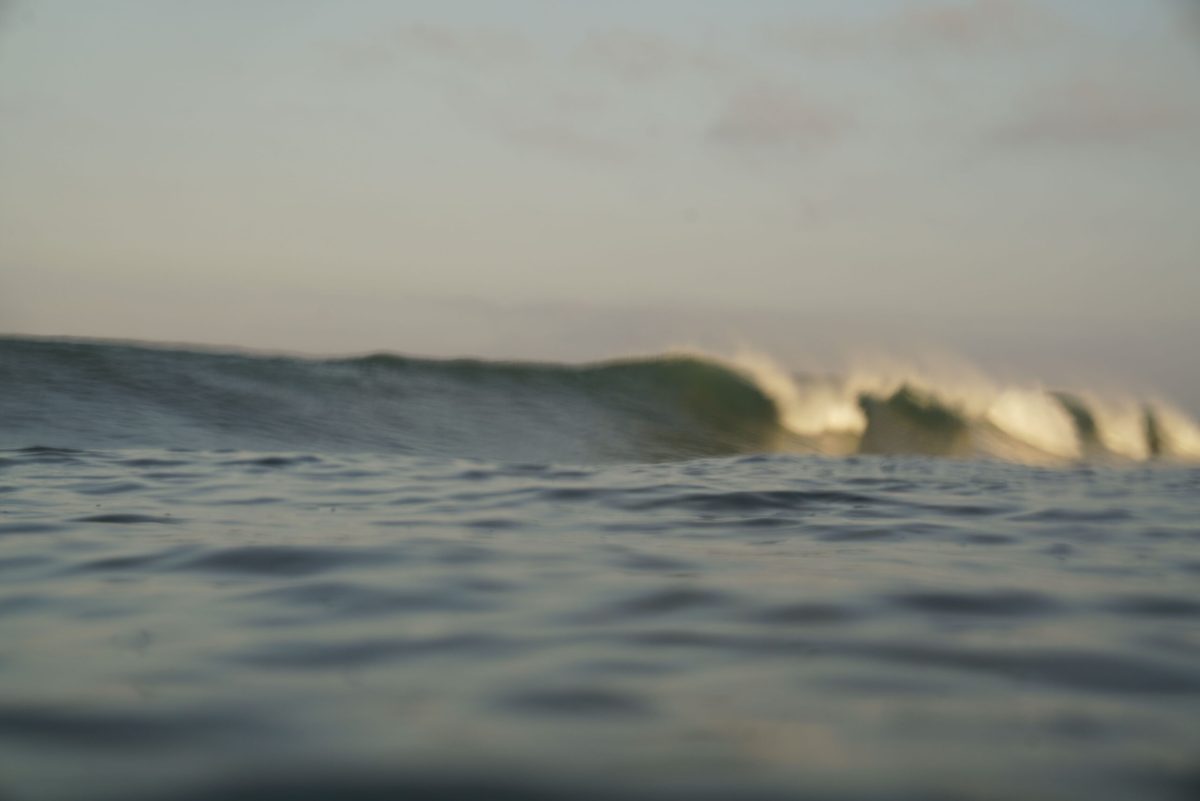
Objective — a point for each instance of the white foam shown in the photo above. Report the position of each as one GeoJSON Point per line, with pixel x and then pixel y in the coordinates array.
{"type": "Point", "coordinates": [1031, 418]}
{"type": "Point", "coordinates": [1180, 434]}
{"type": "Point", "coordinates": [819, 407]}
{"type": "Point", "coordinates": [1035, 417]}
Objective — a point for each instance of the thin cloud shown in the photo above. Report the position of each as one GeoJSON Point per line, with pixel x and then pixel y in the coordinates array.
{"type": "Point", "coordinates": [969, 25]}
{"type": "Point", "coordinates": [635, 56]}
{"type": "Point", "coordinates": [523, 109]}
{"type": "Point", "coordinates": [576, 101]}
{"type": "Point", "coordinates": [551, 124]}
{"type": "Point", "coordinates": [563, 140]}
{"type": "Point", "coordinates": [478, 46]}
{"type": "Point", "coordinates": [771, 116]}
{"type": "Point", "coordinates": [1096, 112]}
{"type": "Point", "coordinates": [550, 101]}
{"type": "Point", "coordinates": [930, 26]}
{"type": "Point", "coordinates": [469, 47]}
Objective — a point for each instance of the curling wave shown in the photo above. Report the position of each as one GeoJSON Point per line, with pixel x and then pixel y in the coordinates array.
{"type": "Point", "coordinates": [88, 394]}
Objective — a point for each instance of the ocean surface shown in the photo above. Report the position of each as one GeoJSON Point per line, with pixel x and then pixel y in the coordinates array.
{"type": "Point", "coordinates": [228, 575]}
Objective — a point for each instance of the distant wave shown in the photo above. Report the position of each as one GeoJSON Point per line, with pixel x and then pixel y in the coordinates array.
{"type": "Point", "coordinates": [88, 394]}
{"type": "Point", "coordinates": [904, 411]}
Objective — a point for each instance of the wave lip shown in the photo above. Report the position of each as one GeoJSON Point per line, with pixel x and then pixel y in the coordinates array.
{"type": "Point", "coordinates": [910, 414]}
{"type": "Point", "coordinates": [64, 395]}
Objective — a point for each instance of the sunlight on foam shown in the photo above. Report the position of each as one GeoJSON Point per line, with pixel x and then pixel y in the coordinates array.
{"type": "Point", "coordinates": [1035, 417]}
{"type": "Point", "coordinates": [1028, 415]}
{"type": "Point", "coordinates": [1120, 426]}
{"type": "Point", "coordinates": [1010, 421]}
{"type": "Point", "coordinates": [817, 408]}
{"type": "Point", "coordinates": [1181, 433]}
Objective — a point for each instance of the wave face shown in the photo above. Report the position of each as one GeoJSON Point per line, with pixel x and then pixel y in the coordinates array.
{"type": "Point", "coordinates": [86, 394]}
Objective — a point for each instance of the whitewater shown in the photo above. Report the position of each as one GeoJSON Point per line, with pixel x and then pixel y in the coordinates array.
{"type": "Point", "coordinates": [676, 405]}
{"type": "Point", "coordinates": [235, 575]}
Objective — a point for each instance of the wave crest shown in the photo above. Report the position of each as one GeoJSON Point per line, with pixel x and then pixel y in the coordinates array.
{"type": "Point", "coordinates": [905, 410]}
{"type": "Point", "coordinates": [678, 405]}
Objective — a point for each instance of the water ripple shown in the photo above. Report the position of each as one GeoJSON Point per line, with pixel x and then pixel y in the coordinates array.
{"type": "Point", "coordinates": [284, 560]}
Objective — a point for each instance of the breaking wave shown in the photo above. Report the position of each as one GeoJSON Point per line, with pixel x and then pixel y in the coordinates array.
{"type": "Point", "coordinates": [88, 394]}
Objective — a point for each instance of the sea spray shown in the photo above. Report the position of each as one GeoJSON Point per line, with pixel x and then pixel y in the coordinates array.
{"type": "Point", "coordinates": [677, 405]}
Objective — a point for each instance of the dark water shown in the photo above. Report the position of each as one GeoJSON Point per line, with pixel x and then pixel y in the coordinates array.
{"type": "Point", "coordinates": [308, 616]}
{"type": "Point", "coordinates": [667, 408]}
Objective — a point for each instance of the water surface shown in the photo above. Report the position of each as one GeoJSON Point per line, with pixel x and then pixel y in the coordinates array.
{"type": "Point", "coordinates": [184, 620]}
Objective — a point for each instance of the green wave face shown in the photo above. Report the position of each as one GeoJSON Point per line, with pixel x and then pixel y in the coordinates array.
{"type": "Point", "coordinates": [88, 394]}
{"type": "Point", "coordinates": [909, 421]}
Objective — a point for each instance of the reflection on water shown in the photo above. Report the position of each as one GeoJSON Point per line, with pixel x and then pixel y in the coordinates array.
{"type": "Point", "coordinates": [243, 625]}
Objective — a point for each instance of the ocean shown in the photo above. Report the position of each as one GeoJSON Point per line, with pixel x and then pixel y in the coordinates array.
{"type": "Point", "coordinates": [232, 575]}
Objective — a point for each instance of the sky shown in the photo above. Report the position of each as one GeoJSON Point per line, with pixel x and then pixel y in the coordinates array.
{"type": "Point", "coordinates": [1011, 182]}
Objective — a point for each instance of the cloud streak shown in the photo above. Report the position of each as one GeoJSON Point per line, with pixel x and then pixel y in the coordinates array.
{"type": "Point", "coordinates": [558, 138]}
{"type": "Point", "coordinates": [771, 116]}
{"type": "Point", "coordinates": [933, 26]}
{"type": "Point", "coordinates": [468, 47]}
{"type": "Point", "coordinates": [970, 25]}
{"type": "Point", "coordinates": [1096, 112]}
{"type": "Point", "coordinates": [635, 56]}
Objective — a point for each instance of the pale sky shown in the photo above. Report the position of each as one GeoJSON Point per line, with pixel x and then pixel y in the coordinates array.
{"type": "Point", "coordinates": [1013, 181]}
